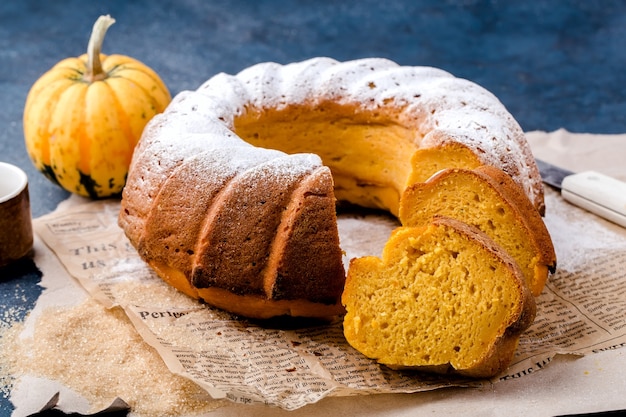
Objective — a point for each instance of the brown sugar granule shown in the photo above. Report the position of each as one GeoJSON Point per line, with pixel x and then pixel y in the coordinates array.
{"type": "Point", "coordinates": [98, 353]}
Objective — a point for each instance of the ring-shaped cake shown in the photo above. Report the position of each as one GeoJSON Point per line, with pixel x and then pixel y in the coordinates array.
{"type": "Point", "coordinates": [232, 191]}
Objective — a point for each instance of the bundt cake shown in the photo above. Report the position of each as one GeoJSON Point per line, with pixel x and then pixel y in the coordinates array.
{"type": "Point", "coordinates": [488, 199]}
{"type": "Point", "coordinates": [444, 298]}
{"type": "Point", "coordinates": [230, 196]}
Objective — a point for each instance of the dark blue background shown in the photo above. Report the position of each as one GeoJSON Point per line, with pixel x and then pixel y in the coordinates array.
{"type": "Point", "coordinates": [554, 64]}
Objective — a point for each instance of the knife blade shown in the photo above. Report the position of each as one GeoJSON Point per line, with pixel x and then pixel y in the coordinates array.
{"type": "Point", "coordinates": [595, 192]}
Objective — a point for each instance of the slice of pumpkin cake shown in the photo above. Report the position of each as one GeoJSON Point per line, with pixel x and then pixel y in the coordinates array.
{"type": "Point", "coordinates": [443, 298]}
{"type": "Point", "coordinates": [487, 198]}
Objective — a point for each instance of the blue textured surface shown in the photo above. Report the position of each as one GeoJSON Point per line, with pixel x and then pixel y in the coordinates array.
{"type": "Point", "coordinates": [552, 63]}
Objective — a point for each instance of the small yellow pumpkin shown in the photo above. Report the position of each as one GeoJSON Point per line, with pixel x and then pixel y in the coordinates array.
{"type": "Point", "coordinates": [83, 118]}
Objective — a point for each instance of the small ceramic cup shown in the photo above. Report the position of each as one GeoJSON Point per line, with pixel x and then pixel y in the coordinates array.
{"type": "Point", "coordinates": [16, 228]}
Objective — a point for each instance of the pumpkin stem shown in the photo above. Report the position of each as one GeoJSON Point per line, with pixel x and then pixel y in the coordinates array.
{"type": "Point", "coordinates": [94, 70]}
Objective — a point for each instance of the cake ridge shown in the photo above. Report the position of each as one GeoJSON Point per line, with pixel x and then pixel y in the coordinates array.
{"type": "Point", "coordinates": [288, 176]}
{"type": "Point", "coordinates": [305, 189]}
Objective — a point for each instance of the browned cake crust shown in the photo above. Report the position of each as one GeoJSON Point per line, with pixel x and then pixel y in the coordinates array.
{"type": "Point", "coordinates": [214, 243]}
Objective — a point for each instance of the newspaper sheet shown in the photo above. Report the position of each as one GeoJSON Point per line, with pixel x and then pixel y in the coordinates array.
{"type": "Point", "coordinates": [582, 310]}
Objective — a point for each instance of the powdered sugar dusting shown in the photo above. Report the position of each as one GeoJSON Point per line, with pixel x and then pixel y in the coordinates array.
{"type": "Point", "coordinates": [438, 107]}
{"type": "Point", "coordinates": [576, 237]}
{"type": "Point", "coordinates": [431, 101]}
{"type": "Point", "coordinates": [364, 234]}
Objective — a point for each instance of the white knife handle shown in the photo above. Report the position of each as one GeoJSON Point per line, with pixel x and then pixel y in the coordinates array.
{"type": "Point", "coordinates": [598, 193]}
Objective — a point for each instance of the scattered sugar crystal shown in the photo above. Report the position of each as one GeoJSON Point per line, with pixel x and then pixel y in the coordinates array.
{"type": "Point", "coordinates": [97, 353]}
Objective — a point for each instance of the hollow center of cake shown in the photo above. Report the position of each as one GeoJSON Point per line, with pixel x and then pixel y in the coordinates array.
{"type": "Point", "coordinates": [368, 153]}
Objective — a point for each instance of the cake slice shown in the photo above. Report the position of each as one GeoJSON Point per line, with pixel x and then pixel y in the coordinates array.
{"type": "Point", "coordinates": [487, 198]}
{"type": "Point", "coordinates": [443, 298]}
